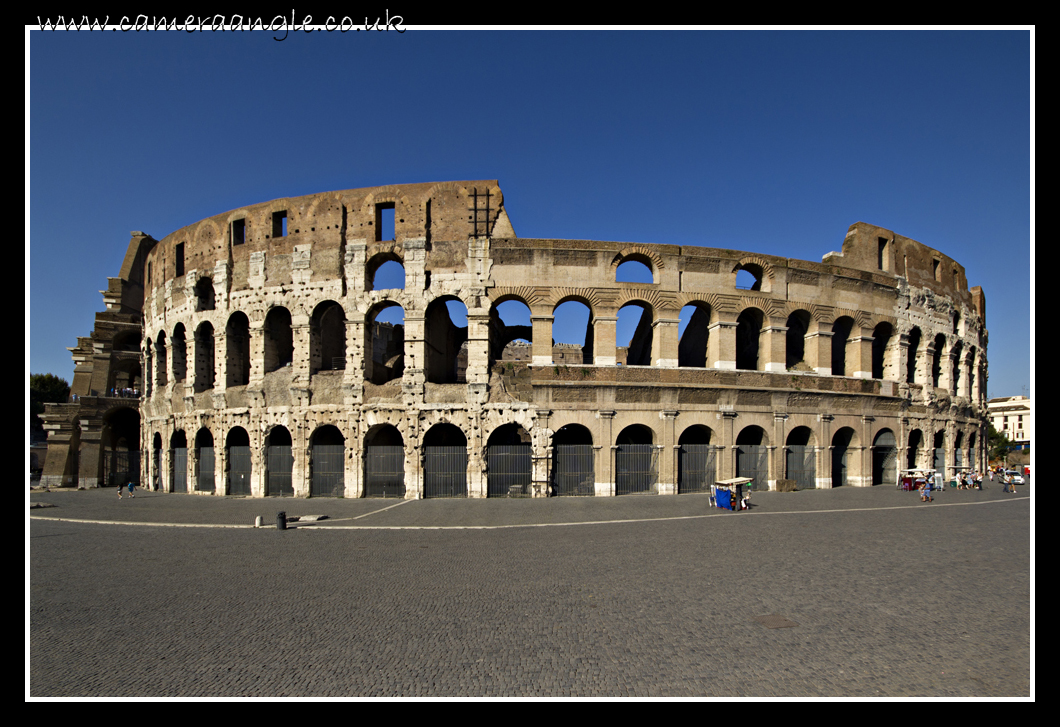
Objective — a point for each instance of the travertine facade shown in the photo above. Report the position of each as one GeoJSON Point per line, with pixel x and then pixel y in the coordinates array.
{"type": "Point", "coordinates": [262, 356]}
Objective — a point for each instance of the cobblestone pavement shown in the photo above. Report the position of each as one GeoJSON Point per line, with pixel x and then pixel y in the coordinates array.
{"type": "Point", "coordinates": [890, 597]}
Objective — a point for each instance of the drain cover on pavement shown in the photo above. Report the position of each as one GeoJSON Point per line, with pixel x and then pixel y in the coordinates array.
{"type": "Point", "coordinates": [773, 621]}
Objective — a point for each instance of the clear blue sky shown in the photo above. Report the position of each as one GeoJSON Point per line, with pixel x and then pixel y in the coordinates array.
{"type": "Point", "coordinates": [772, 142]}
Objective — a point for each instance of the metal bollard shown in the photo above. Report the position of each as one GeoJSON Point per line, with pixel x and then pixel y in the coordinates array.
{"type": "Point", "coordinates": [281, 521]}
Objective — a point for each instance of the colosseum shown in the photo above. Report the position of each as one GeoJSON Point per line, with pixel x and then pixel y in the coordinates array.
{"type": "Point", "coordinates": [398, 341]}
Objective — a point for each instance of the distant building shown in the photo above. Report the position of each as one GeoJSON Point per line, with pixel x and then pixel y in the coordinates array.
{"type": "Point", "coordinates": [1013, 417]}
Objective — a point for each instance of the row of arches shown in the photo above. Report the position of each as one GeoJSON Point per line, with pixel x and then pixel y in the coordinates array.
{"type": "Point", "coordinates": [572, 326]}
{"type": "Point", "coordinates": [442, 457]}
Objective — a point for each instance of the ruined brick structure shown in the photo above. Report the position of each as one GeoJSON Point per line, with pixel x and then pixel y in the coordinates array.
{"type": "Point", "coordinates": [266, 372]}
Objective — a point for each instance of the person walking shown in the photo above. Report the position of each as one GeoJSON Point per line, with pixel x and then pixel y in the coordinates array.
{"type": "Point", "coordinates": [131, 486]}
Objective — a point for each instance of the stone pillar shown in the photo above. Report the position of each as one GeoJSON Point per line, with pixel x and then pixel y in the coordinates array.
{"type": "Point", "coordinates": [824, 451]}
{"type": "Point", "coordinates": [478, 341]}
{"type": "Point", "coordinates": [540, 453]}
{"type": "Point", "coordinates": [818, 352]}
{"type": "Point", "coordinates": [541, 345]}
{"type": "Point", "coordinates": [727, 465]}
{"type": "Point", "coordinates": [859, 354]}
{"type": "Point", "coordinates": [779, 438]}
{"type": "Point", "coordinates": [413, 381]}
{"type": "Point", "coordinates": [721, 345]}
{"type": "Point", "coordinates": [772, 352]}
{"type": "Point", "coordinates": [667, 475]}
{"type": "Point", "coordinates": [605, 337]}
{"type": "Point", "coordinates": [664, 342]}
{"type": "Point", "coordinates": [257, 353]}
{"type": "Point", "coordinates": [353, 376]}
{"type": "Point", "coordinates": [353, 265]}
{"type": "Point", "coordinates": [90, 457]}
{"type": "Point", "coordinates": [605, 455]}
{"type": "Point", "coordinates": [300, 335]}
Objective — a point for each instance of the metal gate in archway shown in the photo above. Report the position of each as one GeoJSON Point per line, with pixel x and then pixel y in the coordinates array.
{"type": "Point", "coordinates": [180, 469]}
{"type": "Point", "coordinates": [279, 461]}
{"type": "Point", "coordinates": [573, 473]}
{"type": "Point", "coordinates": [800, 465]}
{"type": "Point", "coordinates": [508, 470]}
{"type": "Point", "coordinates": [696, 468]}
{"type": "Point", "coordinates": [839, 466]}
{"type": "Point", "coordinates": [120, 468]}
{"type": "Point", "coordinates": [445, 471]}
{"type": "Point", "coordinates": [752, 460]}
{"type": "Point", "coordinates": [384, 471]}
{"type": "Point", "coordinates": [635, 468]}
{"type": "Point", "coordinates": [940, 461]}
{"type": "Point", "coordinates": [205, 480]}
{"type": "Point", "coordinates": [328, 470]}
{"type": "Point", "coordinates": [239, 470]}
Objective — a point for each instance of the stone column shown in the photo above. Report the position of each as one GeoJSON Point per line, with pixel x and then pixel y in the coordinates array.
{"type": "Point", "coordinates": [664, 342]}
{"type": "Point", "coordinates": [540, 453]}
{"type": "Point", "coordinates": [541, 345]}
{"type": "Point", "coordinates": [605, 336]}
{"type": "Point", "coordinates": [667, 476]}
{"type": "Point", "coordinates": [353, 376]}
{"type": "Point", "coordinates": [727, 466]}
{"type": "Point", "coordinates": [824, 451]}
{"type": "Point", "coordinates": [477, 374]}
{"type": "Point", "coordinates": [413, 381]}
{"type": "Point", "coordinates": [780, 425]}
{"type": "Point", "coordinates": [605, 455]}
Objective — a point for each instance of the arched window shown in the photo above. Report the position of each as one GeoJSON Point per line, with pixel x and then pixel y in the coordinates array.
{"type": "Point", "coordinates": [327, 338]}
{"type": "Point", "coordinates": [634, 270]}
{"type": "Point", "coordinates": [748, 335]}
{"type": "Point", "coordinates": [279, 339]}
{"type": "Point", "coordinates": [634, 333]}
{"type": "Point", "coordinates": [445, 333]}
{"type": "Point", "coordinates": [693, 333]}
{"type": "Point", "coordinates": [572, 333]}
{"type": "Point", "coordinates": [237, 354]}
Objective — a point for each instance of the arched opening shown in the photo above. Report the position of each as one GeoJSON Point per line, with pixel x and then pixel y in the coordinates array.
{"type": "Point", "coordinates": [510, 331]}
{"type": "Point", "coordinates": [916, 444]}
{"type": "Point", "coordinates": [385, 272]}
{"type": "Point", "coordinates": [840, 338]}
{"type": "Point", "coordinates": [800, 458]}
{"type": "Point", "coordinates": [156, 462]}
{"type": "Point", "coordinates": [912, 352]}
{"type": "Point", "coordinates": [384, 355]}
{"type": "Point", "coordinates": [279, 461]}
{"type": "Point", "coordinates": [445, 462]}
{"type": "Point", "coordinates": [958, 453]}
{"type": "Point", "coordinates": [204, 361]}
{"type": "Point", "coordinates": [237, 461]}
{"type": "Point", "coordinates": [752, 457]}
{"type": "Point", "coordinates": [573, 472]}
{"type": "Point", "coordinates": [633, 333]}
{"type": "Point", "coordinates": [939, 461]}
{"type": "Point", "coordinates": [697, 461]}
{"type": "Point", "coordinates": [955, 367]}
{"type": "Point", "coordinates": [635, 269]}
{"type": "Point", "coordinates": [936, 360]}
{"type": "Point", "coordinates": [881, 344]}
{"type": "Point", "coordinates": [120, 445]}
{"type": "Point", "coordinates": [636, 461]}
{"type": "Point", "coordinates": [841, 443]}
{"type": "Point", "coordinates": [180, 353]}
{"type": "Point", "coordinates": [384, 462]}
{"type": "Point", "coordinates": [161, 379]}
{"type": "Point", "coordinates": [327, 462]}
{"type": "Point", "coordinates": [178, 460]}
{"type": "Point", "coordinates": [693, 333]}
{"type": "Point", "coordinates": [204, 297]}
{"type": "Point", "coordinates": [125, 379]}
{"type": "Point", "coordinates": [508, 472]}
{"type": "Point", "coordinates": [237, 350]}
{"type": "Point", "coordinates": [572, 333]}
{"type": "Point", "coordinates": [748, 336]}
{"type": "Point", "coordinates": [748, 277]}
{"type": "Point", "coordinates": [798, 326]}
{"type": "Point", "coordinates": [885, 458]}
{"type": "Point", "coordinates": [205, 461]}
{"type": "Point", "coordinates": [327, 338]}
{"type": "Point", "coordinates": [445, 333]}
{"type": "Point", "coordinates": [279, 339]}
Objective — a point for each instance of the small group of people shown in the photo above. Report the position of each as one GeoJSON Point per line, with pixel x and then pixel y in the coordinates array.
{"type": "Point", "coordinates": [925, 491]}
{"type": "Point", "coordinates": [122, 487]}
{"type": "Point", "coordinates": [969, 480]}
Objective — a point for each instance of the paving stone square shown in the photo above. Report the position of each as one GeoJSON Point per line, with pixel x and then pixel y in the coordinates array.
{"type": "Point", "coordinates": [566, 597]}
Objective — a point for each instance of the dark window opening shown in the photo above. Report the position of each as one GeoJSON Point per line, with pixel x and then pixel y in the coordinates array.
{"type": "Point", "coordinates": [180, 258]}
{"type": "Point", "coordinates": [384, 222]}
{"type": "Point", "coordinates": [239, 232]}
{"type": "Point", "coordinates": [279, 224]}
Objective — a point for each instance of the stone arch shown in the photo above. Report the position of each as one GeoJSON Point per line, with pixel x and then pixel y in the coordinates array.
{"type": "Point", "coordinates": [884, 458]}
{"type": "Point", "coordinates": [641, 254]}
{"type": "Point", "coordinates": [327, 337]}
{"type": "Point", "coordinates": [749, 326]}
{"type": "Point", "coordinates": [760, 268]}
{"type": "Point", "coordinates": [376, 263]}
{"type": "Point", "coordinates": [798, 325]}
{"type": "Point", "coordinates": [278, 339]}
{"type": "Point", "coordinates": [639, 345]}
{"type": "Point", "coordinates": [384, 344]}
{"type": "Point", "coordinates": [693, 339]}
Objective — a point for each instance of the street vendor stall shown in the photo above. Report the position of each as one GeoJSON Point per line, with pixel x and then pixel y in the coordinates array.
{"type": "Point", "coordinates": [912, 479]}
{"type": "Point", "coordinates": [730, 494]}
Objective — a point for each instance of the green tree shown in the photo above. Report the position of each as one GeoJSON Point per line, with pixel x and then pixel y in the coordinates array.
{"type": "Point", "coordinates": [45, 389]}
{"type": "Point", "coordinates": [998, 445]}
